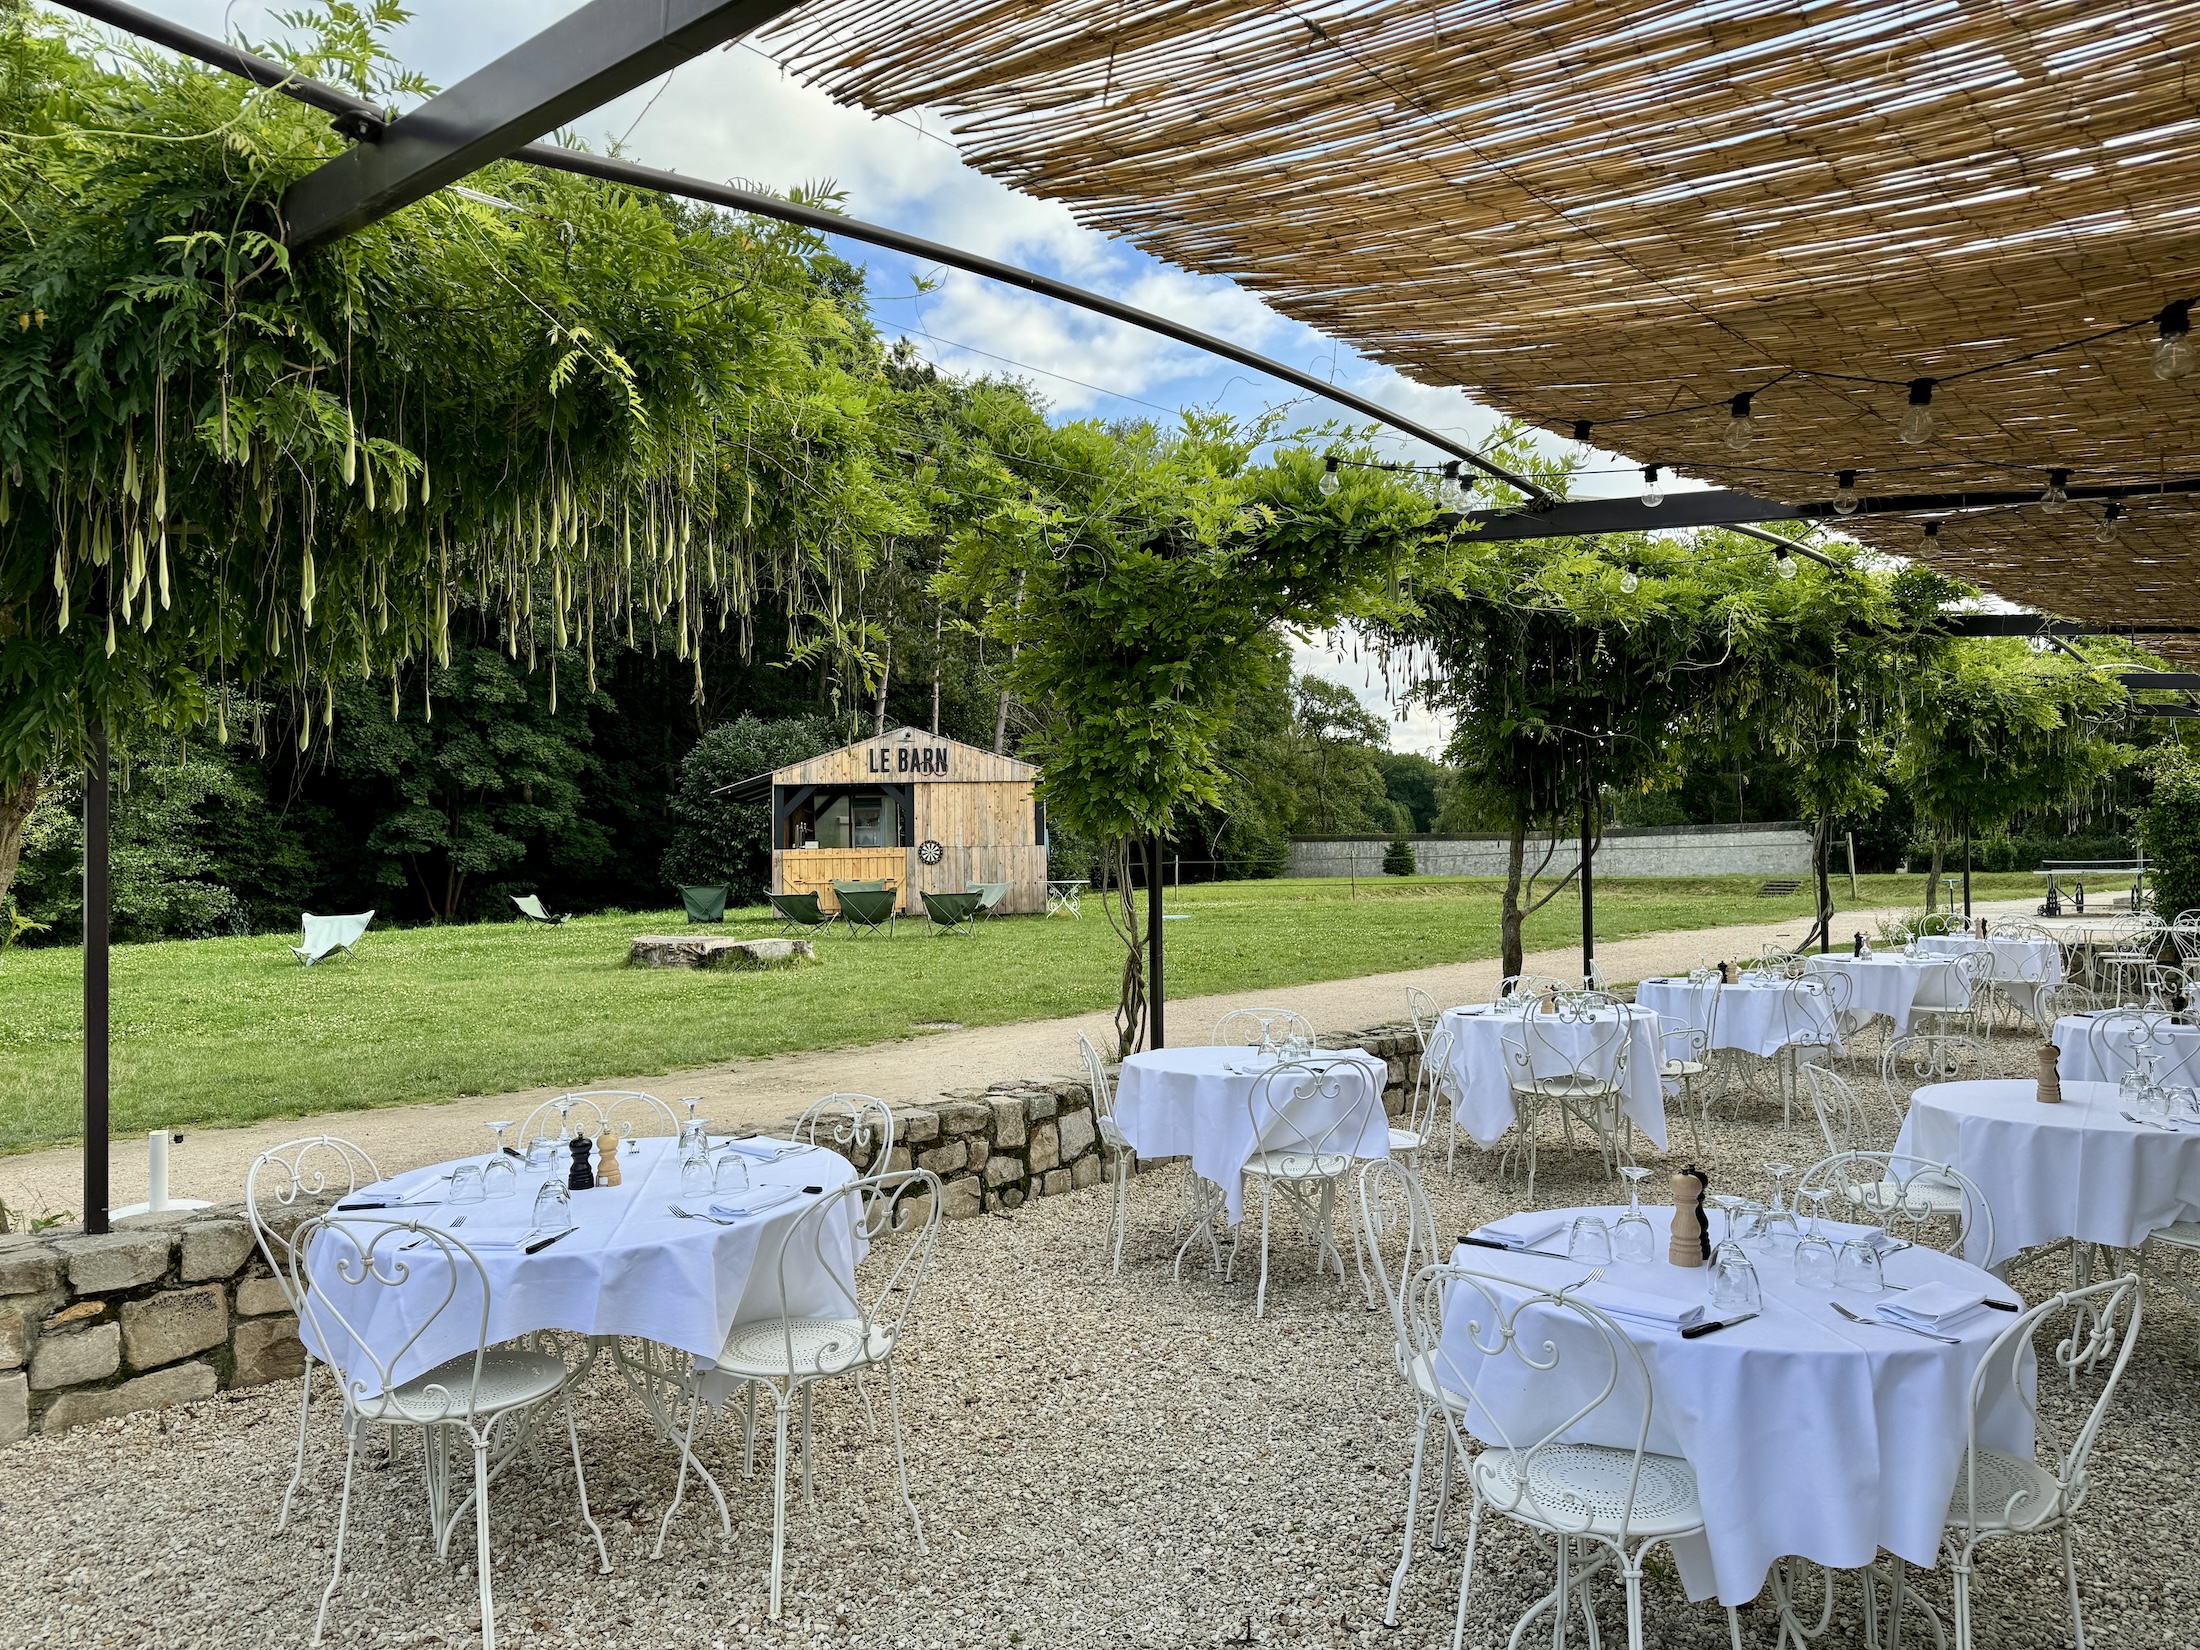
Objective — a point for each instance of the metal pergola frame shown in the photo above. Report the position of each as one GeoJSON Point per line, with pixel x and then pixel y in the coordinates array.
{"type": "Point", "coordinates": [608, 47]}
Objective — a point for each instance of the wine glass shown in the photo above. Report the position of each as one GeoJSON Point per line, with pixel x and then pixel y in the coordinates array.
{"type": "Point", "coordinates": [1633, 1238]}
{"type": "Point", "coordinates": [565, 1121]}
{"type": "Point", "coordinates": [1857, 1265]}
{"type": "Point", "coordinates": [696, 1177]}
{"type": "Point", "coordinates": [1813, 1252]}
{"type": "Point", "coordinates": [1734, 1289]}
{"type": "Point", "coordinates": [542, 1155]}
{"type": "Point", "coordinates": [553, 1207]}
{"type": "Point", "coordinates": [500, 1175]}
{"type": "Point", "coordinates": [1779, 1219]}
{"type": "Point", "coordinates": [1590, 1241]}
{"type": "Point", "coordinates": [1727, 1204]}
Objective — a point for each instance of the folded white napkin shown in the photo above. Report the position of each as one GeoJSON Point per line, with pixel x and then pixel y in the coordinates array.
{"type": "Point", "coordinates": [1934, 1306]}
{"type": "Point", "coordinates": [762, 1150]}
{"type": "Point", "coordinates": [755, 1205]}
{"type": "Point", "coordinates": [1636, 1306]}
{"type": "Point", "coordinates": [1524, 1231]}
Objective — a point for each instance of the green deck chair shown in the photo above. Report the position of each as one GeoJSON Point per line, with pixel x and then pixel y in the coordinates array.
{"type": "Point", "coordinates": [704, 904]}
{"type": "Point", "coordinates": [952, 914]}
{"type": "Point", "coordinates": [530, 907]}
{"type": "Point", "coordinates": [321, 935]}
{"type": "Point", "coordinates": [866, 910]}
{"type": "Point", "coordinates": [799, 911]}
{"type": "Point", "coordinates": [990, 895]}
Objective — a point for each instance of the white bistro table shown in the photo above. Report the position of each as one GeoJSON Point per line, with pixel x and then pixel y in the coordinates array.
{"type": "Point", "coordinates": [630, 1266]}
{"type": "Point", "coordinates": [2079, 1059]}
{"type": "Point", "coordinates": [2075, 1170]}
{"type": "Point", "coordinates": [1483, 1086]}
{"type": "Point", "coordinates": [1809, 1436]}
{"type": "Point", "coordinates": [2022, 968]}
{"type": "Point", "coordinates": [1195, 1102]}
{"type": "Point", "coordinates": [1758, 1014]}
{"type": "Point", "coordinates": [1895, 987]}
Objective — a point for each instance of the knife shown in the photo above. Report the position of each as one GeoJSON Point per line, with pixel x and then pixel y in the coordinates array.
{"type": "Point", "coordinates": [1501, 1248]}
{"type": "Point", "coordinates": [1696, 1331]}
{"type": "Point", "coordinates": [541, 1244]}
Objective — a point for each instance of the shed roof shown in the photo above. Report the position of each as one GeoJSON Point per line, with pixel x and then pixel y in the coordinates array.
{"type": "Point", "coordinates": [852, 765]}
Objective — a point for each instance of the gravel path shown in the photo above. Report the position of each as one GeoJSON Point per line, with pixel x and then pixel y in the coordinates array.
{"type": "Point", "coordinates": [1099, 1463]}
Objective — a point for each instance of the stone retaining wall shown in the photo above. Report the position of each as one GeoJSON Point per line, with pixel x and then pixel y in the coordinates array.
{"type": "Point", "coordinates": [1769, 850]}
{"type": "Point", "coordinates": [181, 1305]}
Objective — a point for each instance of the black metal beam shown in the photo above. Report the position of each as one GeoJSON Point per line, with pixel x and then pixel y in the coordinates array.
{"type": "Point", "coordinates": [2160, 681]}
{"type": "Point", "coordinates": [579, 63]}
{"type": "Point", "coordinates": [2165, 710]}
{"type": "Point", "coordinates": [1974, 625]}
{"type": "Point", "coordinates": [95, 981]}
{"type": "Point", "coordinates": [355, 117]}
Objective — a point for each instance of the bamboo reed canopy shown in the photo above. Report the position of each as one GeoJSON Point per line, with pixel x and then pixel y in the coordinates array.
{"type": "Point", "coordinates": [1631, 214]}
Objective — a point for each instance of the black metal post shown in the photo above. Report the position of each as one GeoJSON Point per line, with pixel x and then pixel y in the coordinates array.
{"type": "Point", "coordinates": [1154, 995]}
{"type": "Point", "coordinates": [95, 982]}
{"type": "Point", "coordinates": [1967, 873]}
{"type": "Point", "coordinates": [1588, 893]}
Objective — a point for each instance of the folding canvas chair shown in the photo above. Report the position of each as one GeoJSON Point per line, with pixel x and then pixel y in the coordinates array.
{"type": "Point", "coordinates": [990, 895]}
{"type": "Point", "coordinates": [322, 935]}
{"type": "Point", "coordinates": [704, 904]}
{"type": "Point", "coordinates": [952, 913]}
{"type": "Point", "coordinates": [866, 910]}
{"type": "Point", "coordinates": [530, 907]}
{"type": "Point", "coordinates": [800, 911]}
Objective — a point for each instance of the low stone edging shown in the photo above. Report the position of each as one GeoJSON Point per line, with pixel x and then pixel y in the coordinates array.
{"type": "Point", "coordinates": [181, 1305]}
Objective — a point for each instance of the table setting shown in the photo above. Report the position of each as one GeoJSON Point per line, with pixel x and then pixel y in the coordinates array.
{"type": "Point", "coordinates": [1815, 1375]}
{"type": "Point", "coordinates": [2022, 965]}
{"type": "Point", "coordinates": [1895, 986]}
{"type": "Point", "coordinates": [2173, 1047]}
{"type": "Point", "coordinates": [1758, 1013]}
{"type": "Point", "coordinates": [1484, 1104]}
{"type": "Point", "coordinates": [2106, 1164]}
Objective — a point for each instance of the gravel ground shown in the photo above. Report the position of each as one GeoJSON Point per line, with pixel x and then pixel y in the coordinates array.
{"type": "Point", "coordinates": [1098, 1462]}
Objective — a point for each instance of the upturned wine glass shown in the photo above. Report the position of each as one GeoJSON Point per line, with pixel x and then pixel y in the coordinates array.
{"type": "Point", "coordinates": [500, 1174]}
{"type": "Point", "coordinates": [1634, 1240]}
{"type": "Point", "coordinates": [1734, 1288]}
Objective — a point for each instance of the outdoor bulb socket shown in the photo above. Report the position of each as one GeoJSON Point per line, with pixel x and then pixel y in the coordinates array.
{"type": "Point", "coordinates": [1329, 482]}
{"type": "Point", "coordinates": [1917, 419]}
{"type": "Point", "coordinates": [2173, 345]}
{"type": "Point", "coordinates": [2056, 499]}
{"type": "Point", "coordinates": [1846, 499]}
{"type": "Point", "coordinates": [1741, 424]}
{"type": "Point", "coordinates": [1652, 494]}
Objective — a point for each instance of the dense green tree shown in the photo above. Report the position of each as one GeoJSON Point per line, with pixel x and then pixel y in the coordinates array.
{"type": "Point", "coordinates": [2169, 828]}
{"type": "Point", "coordinates": [1340, 742]}
{"type": "Point", "coordinates": [1416, 784]}
{"type": "Point", "coordinates": [719, 841]}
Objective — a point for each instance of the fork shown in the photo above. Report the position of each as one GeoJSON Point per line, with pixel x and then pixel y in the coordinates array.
{"type": "Point", "coordinates": [1888, 1323]}
{"type": "Point", "coordinates": [1596, 1275]}
{"type": "Point", "coordinates": [689, 1214]}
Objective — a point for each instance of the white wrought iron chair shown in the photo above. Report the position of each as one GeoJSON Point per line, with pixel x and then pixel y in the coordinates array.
{"type": "Point", "coordinates": [1113, 1144]}
{"type": "Point", "coordinates": [1311, 1124]}
{"type": "Point", "coordinates": [2135, 944]}
{"type": "Point", "coordinates": [1844, 1117]}
{"type": "Point", "coordinates": [1426, 1097]}
{"type": "Point", "coordinates": [1684, 1061]}
{"type": "Point", "coordinates": [285, 1185]}
{"type": "Point", "coordinates": [820, 1325]}
{"type": "Point", "coordinates": [1907, 1198]}
{"type": "Point", "coordinates": [2059, 1002]}
{"type": "Point", "coordinates": [2129, 1039]}
{"type": "Point", "coordinates": [347, 1270]}
{"type": "Point", "coordinates": [1250, 1027]}
{"type": "Point", "coordinates": [1422, 1010]}
{"type": "Point", "coordinates": [1814, 1011]}
{"type": "Point", "coordinates": [1602, 1505]}
{"type": "Point", "coordinates": [1999, 1497]}
{"type": "Point", "coordinates": [593, 1112]}
{"type": "Point", "coordinates": [1576, 1063]}
{"type": "Point", "coordinates": [860, 1127]}
{"type": "Point", "coordinates": [2184, 934]}
{"type": "Point", "coordinates": [1909, 1063]}
{"type": "Point", "coordinates": [2167, 987]}
{"type": "Point", "coordinates": [1394, 1216]}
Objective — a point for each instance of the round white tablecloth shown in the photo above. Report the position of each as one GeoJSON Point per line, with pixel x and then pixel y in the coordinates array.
{"type": "Point", "coordinates": [1484, 1088]}
{"type": "Point", "coordinates": [1896, 987]}
{"type": "Point", "coordinates": [2079, 1060]}
{"type": "Point", "coordinates": [630, 1266]}
{"type": "Point", "coordinates": [2022, 968]}
{"type": "Point", "coordinates": [1756, 1015]}
{"type": "Point", "coordinates": [1809, 1435]}
{"type": "Point", "coordinates": [2052, 1172]}
{"type": "Point", "coordinates": [1195, 1102]}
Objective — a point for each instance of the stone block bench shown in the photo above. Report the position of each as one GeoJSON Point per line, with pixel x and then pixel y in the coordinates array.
{"type": "Point", "coordinates": [716, 951]}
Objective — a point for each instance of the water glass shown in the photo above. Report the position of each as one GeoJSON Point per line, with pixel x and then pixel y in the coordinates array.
{"type": "Point", "coordinates": [553, 1208]}
{"type": "Point", "coordinates": [542, 1154]}
{"type": "Point", "coordinates": [466, 1184]}
{"type": "Point", "coordinates": [1814, 1262]}
{"type": "Point", "coordinates": [499, 1176]}
{"type": "Point", "coordinates": [1590, 1241]}
{"type": "Point", "coordinates": [1857, 1266]}
{"type": "Point", "coordinates": [2131, 1091]}
{"type": "Point", "coordinates": [1634, 1239]}
{"type": "Point", "coordinates": [1733, 1282]}
{"type": "Point", "coordinates": [731, 1175]}
{"type": "Point", "coordinates": [695, 1172]}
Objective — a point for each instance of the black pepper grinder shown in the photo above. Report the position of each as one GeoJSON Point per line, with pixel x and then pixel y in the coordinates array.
{"type": "Point", "coordinates": [1858, 949]}
{"type": "Point", "coordinates": [581, 1177]}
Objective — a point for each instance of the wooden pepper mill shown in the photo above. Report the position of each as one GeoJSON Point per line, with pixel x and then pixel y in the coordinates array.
{"type": "Point", "coordinates": [1691, 1245]}
{"type": "Point", "coordinates": [607, 1158]}
{"type": "Point", "coordinates": [2049, 1092]}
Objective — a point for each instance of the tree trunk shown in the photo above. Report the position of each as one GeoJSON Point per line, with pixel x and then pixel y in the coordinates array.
{"type": "Point", "coordinates": [885, 675]}
{"type": "Point", "coordinates": [1120, 906]}
{"type": "Point", "coordinates": [1516, 858]}
{"type": "Point", "coordinates": [17, 797]}
{"type": "Point", "coordinates": [939, 625]}
{"type": "Point", "coordinates": [1932, 879]}
{"type": "Point", "coordinates": [1821, 849]}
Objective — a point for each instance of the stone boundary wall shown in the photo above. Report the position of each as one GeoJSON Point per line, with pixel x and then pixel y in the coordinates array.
{"type": "Point", "coordinates": [181, 1305]}
{"type": "Point", "coordinates": [1770, 850]}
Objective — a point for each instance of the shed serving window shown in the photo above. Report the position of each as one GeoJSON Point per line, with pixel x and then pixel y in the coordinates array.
{"type": "Point", "coordinates": [874, 817]}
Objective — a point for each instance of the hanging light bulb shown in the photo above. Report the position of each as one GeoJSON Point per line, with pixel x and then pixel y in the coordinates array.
{"type": "Point", "coordinates": [2173, 346]}
{"type": "Point", "coordinates": [1628, 583]}
{"type": "Point", "coordinates": [1652, 494]}
{"type": "Point", "coordinates": [1917, 422]}
{"type": "Point", "coordinates": [1846, 498]}
{"type": "Point", "coordinates": [1741, 424]}
{"type": "Point", "coordinates": [1932, 530]}
{"type": "Point", "coordinates": [1448, 491]}
{"type": "Point", "coordinates": [2056, 499]}
{"type": "Point", "coordinates": [1582, 427]}
{"type": "Point", "coordinates": [1329, 482]}
{"type": "Point", "coordinates": [2111, 523]}
{"type": "Point", "coordinates": [1783, 563]}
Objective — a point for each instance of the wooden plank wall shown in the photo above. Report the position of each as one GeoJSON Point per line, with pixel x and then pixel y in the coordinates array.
{"type": "Point", "coordinates": [807, 870]}
{"type": "Point", "coordinates": [987, 830]}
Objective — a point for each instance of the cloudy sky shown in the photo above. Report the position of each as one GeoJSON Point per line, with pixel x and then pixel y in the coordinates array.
{"type": "Point", "coordinates": [732, 116]}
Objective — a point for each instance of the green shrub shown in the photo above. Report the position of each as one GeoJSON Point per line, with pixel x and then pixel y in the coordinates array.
{"type": "Point", "coordinates": [2169, 830]}
{"type": "Point", "coordinates": [717, 841]}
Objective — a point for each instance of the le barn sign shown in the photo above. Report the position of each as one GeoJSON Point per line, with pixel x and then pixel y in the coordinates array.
{"type": "Point", "coordinates": [897, 759]}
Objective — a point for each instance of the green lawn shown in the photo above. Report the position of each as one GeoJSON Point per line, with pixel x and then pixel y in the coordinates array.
{"type": "Point", "coordinates": [229, 1031]}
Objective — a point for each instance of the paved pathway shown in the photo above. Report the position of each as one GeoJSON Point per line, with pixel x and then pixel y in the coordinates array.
{"type": "Point", "coordinates": [211, 1163]}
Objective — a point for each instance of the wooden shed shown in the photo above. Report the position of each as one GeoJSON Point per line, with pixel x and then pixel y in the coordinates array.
{"type": "Point", "coordinates": [910, 808]}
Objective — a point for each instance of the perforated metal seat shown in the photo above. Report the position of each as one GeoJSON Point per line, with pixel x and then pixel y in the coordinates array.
{"type": "Point", "coordinates": [821, 1346]}
{"type": "Point", "coordinates": [2013, 1494]}
{"type": "Point", "coordinates": [511, 1377]}
{"type": "Point", "coordinates": [2185, 1234]}
{"type": "Point", "coordinates": [1568, 1486]}
{"type": "Point", "coordinates": [1299, 1165]}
